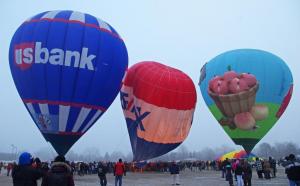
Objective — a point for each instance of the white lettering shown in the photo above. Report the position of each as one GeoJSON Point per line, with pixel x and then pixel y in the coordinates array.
{"type": "Point", "coordinates": [28, 58]}
{"type": "Point", "coordinates": [18, 56]}
{"type": "Point", "coordinates": [86, 60]}
{"type": "Point", "coordinates": [69, 55]}
{"type": "Point", "coordinates": [57, 57]}
{"type": "Point", "coordinates": [38, 51]}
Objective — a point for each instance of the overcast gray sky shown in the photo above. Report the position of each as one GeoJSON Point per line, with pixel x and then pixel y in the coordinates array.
{"type": "Point", "coordinates": [181, 34]}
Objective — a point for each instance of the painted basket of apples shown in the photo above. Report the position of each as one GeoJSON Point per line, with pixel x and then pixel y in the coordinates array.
{"type": "Point", "coordinates": [234, 95]}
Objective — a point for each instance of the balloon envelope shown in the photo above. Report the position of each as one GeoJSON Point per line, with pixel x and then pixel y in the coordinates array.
{"type": "Point", "coordinates": [158, 103]}
{"type": "Point", "coordinates": [246, 90]}
{"type": "Point", "coordinates": [67, 67]}
{"type": "Point", "coordinates": [237, 154]}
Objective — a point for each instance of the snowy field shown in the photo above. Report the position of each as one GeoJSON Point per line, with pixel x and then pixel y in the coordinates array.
{"type": "Point", "coordinates": [204, 178]}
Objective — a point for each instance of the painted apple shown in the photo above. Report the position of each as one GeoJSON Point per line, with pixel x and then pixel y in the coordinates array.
{"type": "Point", "coordinates": [220, 87]}
{"type": "Point", "coordinates": [229, 75]}
{"type": "Point", "coordinates": [244, 121]}
{"type": "Point", "coordinates": [259, 112]}
{"type": "Point", "coordinates": [213, 80]}
{"type": "Point", "coordinates": [237, 85]}
{"type": "Point", "coordinates": [249, 78]}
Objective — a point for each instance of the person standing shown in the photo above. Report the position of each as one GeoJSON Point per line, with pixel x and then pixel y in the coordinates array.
{"type": "Point", "coordinates": [119, 171]}
{"type": "Point", "coordinates": [9, 169]}
{"type": "Point", "coordinates": [259, 168]}
{"type": "Point", "coordinates": [24, 174]}
{"type": "Point", "coordinates": [273, 166]}
{"type": "Point", "coordinates": [239, 173]}
{"type": "Point", "coordinates": [228, 174]}
{"type": "Point", "coordinates": [1, 165]}
{"type": "Point", "coordinates": [60, 174]}
{"type": "Point", "coordinates": [267, 169]}
{"type": "Point", "coordinates": [234, 166]}
{"type": "Point", "coordinates": [102, 170]}
{"type": "Point", "coordinates": [174, 170]}
{"type": "Point", "coordinates": [292, 169]}
{"type": "Point", "coordinates": [223, 167]}
{"type": "Point", "coordinates": [247, 176]}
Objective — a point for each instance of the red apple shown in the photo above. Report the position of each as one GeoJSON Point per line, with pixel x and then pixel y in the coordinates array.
{"type": "Point", "coordinates": [220, 87]}
{"type": "Point", "coordinates": [249, 78]}
{"type": "Point", "coordinates": [213, 80]}
{"type": "Point", "coordinates": [237, 85]}
{"type": "Point", "coordinates": [259, 112]}
{"type": "Point", "coordinates": [229, 75]}
{"type": "Point", "coordinates": [244, 121]}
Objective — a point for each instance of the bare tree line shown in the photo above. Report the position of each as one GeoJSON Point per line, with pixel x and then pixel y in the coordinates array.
{"type": "Point", "coordinates": [265, 150]}
{"type": "Point", "coordinates": [278, 150]}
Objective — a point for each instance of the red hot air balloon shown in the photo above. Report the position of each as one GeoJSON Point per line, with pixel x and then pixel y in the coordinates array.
{"type": "Point", "coordinates": [158, 103]}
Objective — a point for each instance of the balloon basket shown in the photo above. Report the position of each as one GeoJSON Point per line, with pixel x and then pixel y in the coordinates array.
{"type": "Point", "coordinates": [233, 104]}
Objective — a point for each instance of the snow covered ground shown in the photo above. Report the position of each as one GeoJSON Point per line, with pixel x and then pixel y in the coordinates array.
{"type": "Point", "coordinates": [187, 178]}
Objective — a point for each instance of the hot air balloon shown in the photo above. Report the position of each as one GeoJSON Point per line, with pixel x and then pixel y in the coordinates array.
{"type": "Point", "coordinates": [67, 67]}
{"type": "Point", "coordinates": [158, 103]}
{"type": "Point", "coordinates": [237, 154]}
{"type": "Point", "coordinates": [246, 90]}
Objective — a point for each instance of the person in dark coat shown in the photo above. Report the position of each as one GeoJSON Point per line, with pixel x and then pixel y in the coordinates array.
{"type": "Point", "coordinates": [223, 167]}
{"type": "Point", "coordinates": [267, 169]}
{"type": "Point", "coordinates": [102, 170]}
{"type": "Point", "coordinates": [239, 172]}
{"type": "Point", "coordinates": [1, 165]}
{"type": "Point", "coordinates": [174, 170]}
{"type": "Point", "coordinates": [228, 174]}
{"type": "Point", "coordinates": [247, 176]}
{"type": "Point", "coordinates": [24, 174]}
{"type": "Point", "coordinates": [273, 166]}
{"type": "Point", "coordinates": [60, 174]}
{"type": "Point", "coordinates": [292, 169]}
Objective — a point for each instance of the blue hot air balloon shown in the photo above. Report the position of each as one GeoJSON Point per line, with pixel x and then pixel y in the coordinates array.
{"type": "Point", "coordinates": [67, 67]}
{"type": "Point", "coordinates": [246, 90]}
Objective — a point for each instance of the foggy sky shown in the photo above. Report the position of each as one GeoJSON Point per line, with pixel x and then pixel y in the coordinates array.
{"type": "Point", "coordinates": [180, 34]}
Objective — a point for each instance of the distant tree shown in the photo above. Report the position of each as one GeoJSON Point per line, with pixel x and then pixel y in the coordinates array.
{"type": "Point", "coordinates": [208, 154]}
{"type": "Point", "coordinates": [106, 156]}
{"type": "Point", "coordinates": [264, 150]}
{"type": "Point", "coordinates": [292, 148]}
{"type": "Point", "coordinates": [129, 157]}
{"type": "Point", "coordinates": [72, 156]}
{"type": "Point", "coordinates": [182, 152]}
{"type": "Point", "coordinates": [45, 154]}
{"type": "Point", "coordinates": [278, 150]}
{"type": "Point", "coordinates": [173, 156]}
{"type": "Point", "coordinates": [91, 154]}
{"type": "Point", "coordinates": [116, 155]}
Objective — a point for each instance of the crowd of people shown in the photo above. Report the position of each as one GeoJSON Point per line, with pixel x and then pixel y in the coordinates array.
{"type": "Point", "coordinates": [240, 170]}
{"type": "Point", "coordinates": [60, 172]}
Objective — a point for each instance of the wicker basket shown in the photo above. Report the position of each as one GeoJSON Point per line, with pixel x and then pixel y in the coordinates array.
{"type": "Point", "coordinates": [232, 104]}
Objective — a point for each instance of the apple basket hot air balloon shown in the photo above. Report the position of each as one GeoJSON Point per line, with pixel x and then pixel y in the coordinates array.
{"type": "Point", "coordinates": [247, 91]}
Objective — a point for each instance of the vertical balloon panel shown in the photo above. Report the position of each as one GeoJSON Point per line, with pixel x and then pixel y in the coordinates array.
{"type": "Point", "coordinates": [67, 67]}
{"type": "Point", "coordinates": [158, 103]}
{"type": "Point", "coordinates": [247, 91]}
